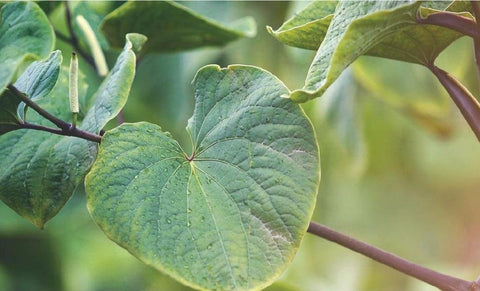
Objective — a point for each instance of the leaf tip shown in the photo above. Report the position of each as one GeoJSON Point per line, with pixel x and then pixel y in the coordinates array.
{"type": "Point", "coordinates": [270, 30]}
{"type": "Point", "coordinates": [38, 222]}
{"type": "Point", "coordinates": [135, 41]}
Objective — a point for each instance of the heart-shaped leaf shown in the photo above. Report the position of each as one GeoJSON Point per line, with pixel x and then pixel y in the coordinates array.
{"type": "Point", "coordinates": [231, 215]}
{"type": "Point", "coordinates": [25, 33]}
{"type": "Point", "coordinates": [39, 171]}
{"type": "Point", "coordinates": [171, 27]}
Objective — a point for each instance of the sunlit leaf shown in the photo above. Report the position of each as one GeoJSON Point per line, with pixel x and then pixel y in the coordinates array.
{"type": "Point", "coordinates": [306, 29]}
{"type": "Point", "coordinates": [230, 215]}
{"type": "Point", "coordinates": [171, 27]}
{"type": "Point", "coordinates": [385, 29]}
{"type": "Point", "coordinates": [39, 171]}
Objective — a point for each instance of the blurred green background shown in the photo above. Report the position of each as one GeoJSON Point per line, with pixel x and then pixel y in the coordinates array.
{"type": "Point", "coordinates": [399, 168]}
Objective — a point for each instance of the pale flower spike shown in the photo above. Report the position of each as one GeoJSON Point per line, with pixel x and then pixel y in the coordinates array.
{"type": "Point", "coordinates": [73, 84]}
{"type": "Point", "coordinates": [92, 41]}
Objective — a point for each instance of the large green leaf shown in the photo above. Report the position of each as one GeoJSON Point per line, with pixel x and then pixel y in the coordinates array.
{"type": "Point", "coordinates": [39, 171]}
{"type": "Point", "coordinates": [25, 33]}
{"type": "Point", "coordinates": [231, 215]}
{"type": "Point", "coordinates": [380, 28]}
{"type": "Point", "coordinates": [171, 27]}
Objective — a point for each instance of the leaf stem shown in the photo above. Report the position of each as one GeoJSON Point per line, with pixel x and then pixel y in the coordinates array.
{"type": "Point", "coordinates": [64, 127]}
{"type": "Point", "coordinates": [73, 40]}
{"type": "Point", "coordinates": [476, 40]}
{"type": "Point", "coordinates": [452, 21]}
{"type": "Point", "coordinates": [74, 131]}
{"type": "Point", "coordinates": [434, 278]}
{"type": "Point", "coordinates": [465, 101]}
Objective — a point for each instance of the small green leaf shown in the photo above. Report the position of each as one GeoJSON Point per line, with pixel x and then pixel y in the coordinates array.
{"type": "Point", "coordinates": [39, 79]}
{"type": "Point", "coordinates": [231, 215]}
{"type": "Point", "coordinates": [39, 171]}
{"type": "Point", "coordinates": [25, 34]}
{"type": "Point", "coordinates": [113, 93]}
{"type": "Point", "coordinates": [307, 29]}
{"type": "Point", "coordinates": [171, 27]}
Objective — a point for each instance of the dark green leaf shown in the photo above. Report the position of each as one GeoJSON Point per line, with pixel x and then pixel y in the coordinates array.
{"type": "Point", "coordinates": [171, 27]}
{"type": "Point", "coordinates": [231, 215]}
{"type": "Point", "coordinates": [25, 34]}
{"type": "Point", "coordinates": [39, 171]}
{"type": "Point", "coordinates": [8, 112]}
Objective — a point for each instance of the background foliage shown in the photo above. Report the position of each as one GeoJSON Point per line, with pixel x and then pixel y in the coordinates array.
{"type": "Point", "coordinates": [406, 181]}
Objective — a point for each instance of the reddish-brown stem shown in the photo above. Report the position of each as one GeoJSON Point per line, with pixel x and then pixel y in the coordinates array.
{"type": "Point", "coordinates": [451, 20]}
{"type": "Point", "coordinates": [73, 131]}
{"type": "Point", "coordinates": [434, 278]}
{"type": "Point", "coordinates": [465, 101]}
{"type": "Point", "coordinates": [476, 40]}
{"type": "Point", "coordinates": [64, 127]}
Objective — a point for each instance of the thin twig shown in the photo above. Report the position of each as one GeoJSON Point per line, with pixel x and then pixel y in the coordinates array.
{"type": "Point", "coordinates": [465, 101]}
{"type": "Point", "coordinates": [73, 37]}
{"type": "Point", "coordinates": [73, 131]}
{"type": "Point", "coordinates": [58, 122]}
{"type": "Point", "coordinates": [64, 127]}
{"type": "Point", "coordinates": [452, 21]}
{"type": "Point", "coordinates": [434, 278]}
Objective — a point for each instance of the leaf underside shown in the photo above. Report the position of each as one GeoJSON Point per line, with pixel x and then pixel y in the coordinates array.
{"type": "Point", "coordinates": [230, 216]}
{"type": "Point", "coordinates": [385, 29]}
